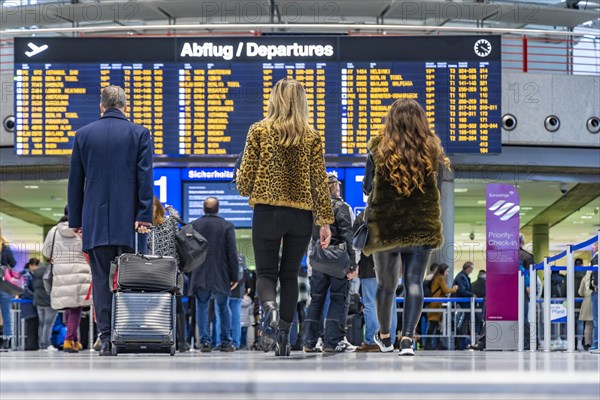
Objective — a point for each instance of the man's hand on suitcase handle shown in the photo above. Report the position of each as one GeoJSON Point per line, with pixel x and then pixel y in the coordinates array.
{"type": "Point", "coordinates": [142, 227]}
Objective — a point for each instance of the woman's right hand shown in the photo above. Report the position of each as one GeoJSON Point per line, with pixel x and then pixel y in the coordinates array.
{"type": "Point", "coordinates": [325, 236]}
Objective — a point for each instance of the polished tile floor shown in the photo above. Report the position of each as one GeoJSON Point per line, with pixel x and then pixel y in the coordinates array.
{"type": "Point", "coordinates": [255, 375]}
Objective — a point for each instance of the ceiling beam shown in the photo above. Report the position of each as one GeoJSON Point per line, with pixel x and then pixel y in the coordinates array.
{"type": "Point", "coordinates": [576, 198]}
{"type": "Point", "coordinates": [24, 214]}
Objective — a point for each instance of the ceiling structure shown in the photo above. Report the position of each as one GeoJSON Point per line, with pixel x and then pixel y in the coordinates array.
{"type": "Point", "coordinates": [547, 14]}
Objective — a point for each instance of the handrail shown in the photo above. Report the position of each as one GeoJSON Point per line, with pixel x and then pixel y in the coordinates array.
{"type": "Point", "coordinates": [321, 27]}
{"type": "Point", "coordinates": [564, 268]}
{"type": "Point", "coordinates": [445, 300]}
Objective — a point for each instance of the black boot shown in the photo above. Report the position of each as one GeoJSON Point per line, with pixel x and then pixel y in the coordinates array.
{"type": "Point", "coordinates": [182, 345]}
{"type": "Point", "coordinates": [282, 343]}
{"type": "Point", "coordinates": [269, 325]}
{"type": "Point", "coordinates": [6, 345]}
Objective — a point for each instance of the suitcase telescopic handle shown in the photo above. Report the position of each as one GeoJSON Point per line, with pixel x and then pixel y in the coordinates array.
{"type": "Point", "coordinates": [135, 233]}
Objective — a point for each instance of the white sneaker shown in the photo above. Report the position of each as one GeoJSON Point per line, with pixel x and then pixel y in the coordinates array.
{"type": "Point", "coordinates": [51, 348]}
{"type": "Point", "coordinates": [350, 348]}
{"type": "Point", "coordinates": [319, 345]}
{"type": "Point", "coordinates": [382, 346]}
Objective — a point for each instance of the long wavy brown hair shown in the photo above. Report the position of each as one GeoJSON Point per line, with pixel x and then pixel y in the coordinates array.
{"type": "Point", "coordinates": [158, 212]}
{"type": "Point", "coordinates": [409, 151]}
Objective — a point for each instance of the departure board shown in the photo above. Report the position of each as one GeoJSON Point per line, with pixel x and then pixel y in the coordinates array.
{"type": "Point", "coordinates": [199, 96]}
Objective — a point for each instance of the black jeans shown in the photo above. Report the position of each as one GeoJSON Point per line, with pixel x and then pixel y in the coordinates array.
{"type": "Point", "coordinates": [413, 261]}
{"type": "Point", "coordinates": [100, 259]}
{"type": "Point", "coordinates": [335, 324]}
{"type": "Point", "coordinates": [276, 229]}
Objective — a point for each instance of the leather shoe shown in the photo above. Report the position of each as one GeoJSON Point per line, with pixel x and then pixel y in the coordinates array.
{"type": "Point", "coordinates": [105, 349]}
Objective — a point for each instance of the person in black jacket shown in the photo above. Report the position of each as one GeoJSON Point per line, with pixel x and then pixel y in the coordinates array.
{"type": "Point", "coordinates": [341, 235]}
{"type": "Point", "coordinates": [217, 276]}
{"type": "Point", "coordinates": [465, 289]}
{"type": "Point", "coordinates": [46, 314]}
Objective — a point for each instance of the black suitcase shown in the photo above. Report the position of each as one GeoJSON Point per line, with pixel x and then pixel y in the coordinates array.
{"type": "Point", "coordinates": [144, 272]}
{"type": "Point", "coordinates": [354, 329]}
{"type": "Point", "coordinates": [143, 322]}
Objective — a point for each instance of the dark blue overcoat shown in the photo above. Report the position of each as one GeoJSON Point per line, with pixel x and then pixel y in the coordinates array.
{"type": "Point", "coordinates": [110, 180]}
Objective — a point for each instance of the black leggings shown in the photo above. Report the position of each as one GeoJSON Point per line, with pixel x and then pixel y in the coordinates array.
{"type": "Point", "coordinates": [413, 261]}
{"type": "Point", "coordinates": [273, 227]}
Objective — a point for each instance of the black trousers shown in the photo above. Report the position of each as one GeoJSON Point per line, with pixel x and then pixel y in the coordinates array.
{"type": "Point", "coordinates": [100, 259]}
{"type": "Point", "coordinates": [276, 229]}
{"type": "Point", "coordinates": [413, 261]}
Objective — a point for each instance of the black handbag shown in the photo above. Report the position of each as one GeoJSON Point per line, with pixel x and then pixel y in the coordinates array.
{"type": "Point", "coordinates": [361, 236]}
{"type": "Point", "coordinates": [192, 248]}
{"type": "Point", "coordinates": [333, 261]}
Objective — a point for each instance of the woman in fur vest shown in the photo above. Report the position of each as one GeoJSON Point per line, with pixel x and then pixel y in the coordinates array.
{"type": "Point", "coordinates": [403, 213]}
{"type": "Point", "coordinates": [71, 280]}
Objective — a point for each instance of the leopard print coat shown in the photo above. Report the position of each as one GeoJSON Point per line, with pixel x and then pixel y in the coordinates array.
{"type": "Point", "coordinates": [292, 176]}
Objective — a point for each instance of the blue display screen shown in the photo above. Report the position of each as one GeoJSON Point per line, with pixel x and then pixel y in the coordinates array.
{"type": "Point", "coordinates": [233, 207]}
{"type": "Point", "coordinates": [199, 96]}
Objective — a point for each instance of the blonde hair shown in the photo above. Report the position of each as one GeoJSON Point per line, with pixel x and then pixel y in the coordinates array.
{"type": "Point", "coordinates": [287, 113]}
{"type": "Point", "coordinates": [409, 151]}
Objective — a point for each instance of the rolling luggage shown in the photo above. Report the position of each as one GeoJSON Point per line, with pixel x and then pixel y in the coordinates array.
{"type": "Point", "coordinates": [144, 306]}
{"type": "Point", "coordinates": [145, 272]}
{"type": "Point", "coordinates": [143, 322]}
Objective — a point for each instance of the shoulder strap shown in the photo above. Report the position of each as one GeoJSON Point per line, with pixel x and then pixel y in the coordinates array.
{"type": "Point", "coordinates": [52, 248]}
{"type": "Point", "coordinates": [437, 290]}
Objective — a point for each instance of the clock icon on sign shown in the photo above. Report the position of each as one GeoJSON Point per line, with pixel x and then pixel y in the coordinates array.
{"type": "Point", "coordinates": [483, 47]}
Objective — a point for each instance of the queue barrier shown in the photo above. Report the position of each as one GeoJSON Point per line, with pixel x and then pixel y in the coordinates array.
{"type": "Point", "coordinates": [449, 312]}
{"type": "Point", "coordinates": [545, 266]}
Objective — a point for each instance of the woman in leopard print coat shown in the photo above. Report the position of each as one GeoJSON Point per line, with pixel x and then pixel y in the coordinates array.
{"type": "Point", "coordinates": [283, 173]}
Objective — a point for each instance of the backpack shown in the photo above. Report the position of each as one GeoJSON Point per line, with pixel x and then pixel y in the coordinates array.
{"type": "Point", "coordinates": [191, 247]}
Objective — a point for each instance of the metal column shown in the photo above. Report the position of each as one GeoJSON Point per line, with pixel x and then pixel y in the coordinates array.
{"type": "Point", "coordinates": [521, 313]}
{"type": "Point", "coordinates": [532, 309]}
{"type": "Point", "coordinates": [570, 299]}
{"type": "Point", "coordinates": [547, 294]}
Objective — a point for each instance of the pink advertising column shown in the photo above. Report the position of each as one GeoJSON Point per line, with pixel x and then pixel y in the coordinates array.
{"type": "Point", "coordinates": [502, 266]}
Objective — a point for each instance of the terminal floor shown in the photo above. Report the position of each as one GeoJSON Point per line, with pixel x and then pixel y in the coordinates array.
{"type": "Point", "coordinates": [256, 375]}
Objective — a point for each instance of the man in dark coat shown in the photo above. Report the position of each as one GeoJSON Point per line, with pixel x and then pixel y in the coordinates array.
{"type": "Point", "coordinates": [463, 282]}
{"type": "Point", "coordinates": [217, 276]}
{"type": "Point", "coordinates": [110, 194]}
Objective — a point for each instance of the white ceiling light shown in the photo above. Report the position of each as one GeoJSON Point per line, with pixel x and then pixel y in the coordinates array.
{"type": "Point", "coordinates": [481, 202]}
{"type": "Point", "coordinates": [58, 214]}
{"type": "Point", "coordinates": [45, 209]}
{"type": "Point", "coordinates": [460, 190]}
{"type": "Point", "coordinates": [32, 187]}
{"type": "Point", "coordinates": [586, 217]}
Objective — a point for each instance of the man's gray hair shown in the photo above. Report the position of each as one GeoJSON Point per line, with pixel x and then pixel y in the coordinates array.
{"type": "Point", "coordinates": [113, 97]}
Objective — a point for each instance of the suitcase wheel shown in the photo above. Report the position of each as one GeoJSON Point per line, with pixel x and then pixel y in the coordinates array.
{"type": "Point", "coordinates": [172, 353]}
{"type": "Point", "coordinates": [114, 350]}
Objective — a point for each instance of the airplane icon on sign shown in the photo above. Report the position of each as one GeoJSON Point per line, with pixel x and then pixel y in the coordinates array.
{"type": "Point", "coordinates": [35, 49]}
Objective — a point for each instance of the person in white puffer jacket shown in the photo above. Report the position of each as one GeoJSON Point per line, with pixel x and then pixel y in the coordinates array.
{"type": "Point", "coordinates": [71, 282]}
